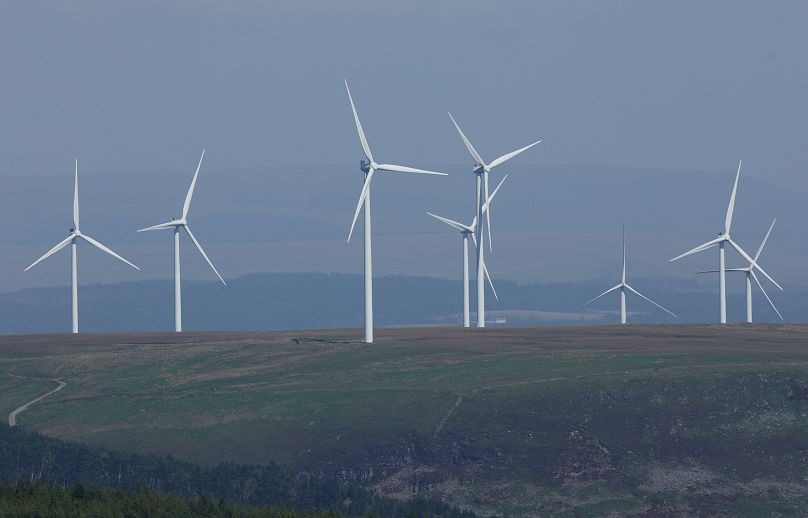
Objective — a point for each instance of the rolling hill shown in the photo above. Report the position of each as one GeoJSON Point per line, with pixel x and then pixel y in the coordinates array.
{"type": "Point", "coordinates": [587, 420]}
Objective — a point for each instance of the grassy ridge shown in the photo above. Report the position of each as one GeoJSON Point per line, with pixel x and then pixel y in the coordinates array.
{"type": "Point", "coordinates": [511, 421]}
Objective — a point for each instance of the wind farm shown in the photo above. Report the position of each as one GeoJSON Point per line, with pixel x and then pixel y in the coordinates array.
{"type": "Point", "coordinates": [529, 326]}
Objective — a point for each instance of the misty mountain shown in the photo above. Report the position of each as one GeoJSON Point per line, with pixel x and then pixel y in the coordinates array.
{"type": "Point", "coordinates": [550, 223]}
{"type": "Point", "coordinates": [307, 301]}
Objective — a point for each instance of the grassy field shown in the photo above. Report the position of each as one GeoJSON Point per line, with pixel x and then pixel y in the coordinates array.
{"type": "Point", "coordinates": [587, 421]}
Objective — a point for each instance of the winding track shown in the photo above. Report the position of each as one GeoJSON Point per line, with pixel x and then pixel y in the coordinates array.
{"type": "Point", "coordinates": [12, 417]}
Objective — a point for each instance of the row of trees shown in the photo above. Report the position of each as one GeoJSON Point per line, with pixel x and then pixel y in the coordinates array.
{"type": "Point", "coordinates": [26, 500]}
{"type": "Point", "coordinates": [28, 457]}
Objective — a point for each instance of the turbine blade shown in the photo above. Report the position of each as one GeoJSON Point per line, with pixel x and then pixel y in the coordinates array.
{"type": "Point", "coordinates": [651, 301]}
{"type": "Point", "coordinates": [752, 263]}
{"type": "Point", "coordinates": [405, 169]}
{"type": "Point", "coordinates": [190, 194]}
{"type": "Point", "coordinates": [599, 296]}
{"type": "Point", "coordinates": [488, 215]}
{"type": "Point", "coordinates": [362, 195]}
{"type": "Point", "coordinates": [505, 158]}
{"type": "Point", "coordinates": [201, 251]}
{"type": "Point", "coordinates": [452, 223]}
{"type": "Point", "coordinates": [731, 206]}
{"type": "Point", "coordinates": [759, 250]}
{"type": "Point", "coordinates": [53, 250]}
{"type": "Point", "coordinates": [766, 295]}
{"type": "Point", "coordinates": [700, 248]}
{"type": "Point", "coordinates": [105, 249]}
{"type": "Point", "coordinates": [624, 253]}
{"type": "Point", "coordinates": [725, 269]}
{"type": "Point", "coordinates": [474, 154]}
{"type": "Point", "coordinates": [161, 226]}
{"type": "Point", "coordinates": [490, 283]}
{"type": "Point", "coordinates": [76, 197]}
{"type": "Point", "coordinates": [362, 139]}
{"type": "Point", "coordinates": [489, 200]}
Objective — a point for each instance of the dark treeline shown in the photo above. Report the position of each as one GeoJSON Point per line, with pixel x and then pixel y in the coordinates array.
{"type": "Point", "coordinates": [272, 301]}
{"type": "Point", "coordinates": [27, 500]}
{"type": "Point", "coordinates": [27, 457]}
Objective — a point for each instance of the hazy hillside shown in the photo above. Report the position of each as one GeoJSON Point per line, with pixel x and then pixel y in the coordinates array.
{"type": "Point", "coordinates": [551, 222]}
{"type": "Point", "coordinates": [309, 301]}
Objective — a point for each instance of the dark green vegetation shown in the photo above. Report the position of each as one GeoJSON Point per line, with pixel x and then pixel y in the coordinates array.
{"type": "Point", "coordinates": [28, 456]}
{"type": "Point", "coordinates": [39, 500]}
{"type": "Point", "coordinates": [661, 419]}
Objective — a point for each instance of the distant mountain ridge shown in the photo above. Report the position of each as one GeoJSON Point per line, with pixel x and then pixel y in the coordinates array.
{"type": "Point", "coordinates": [274, 301]}
{"type": "Point", "coordinates": [551, 222]}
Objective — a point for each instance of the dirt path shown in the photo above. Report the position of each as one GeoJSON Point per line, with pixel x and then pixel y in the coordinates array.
{"type": "Point", "coordinates": [12, 417]}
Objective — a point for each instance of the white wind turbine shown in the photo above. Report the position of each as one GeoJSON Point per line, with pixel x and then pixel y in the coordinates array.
{"type": "Point", "coordinates": [465, 232]}
{"type": "Point", "coordinates": [72, 239]}
{"type": "Point", "coordinates": [177, 224]}
{"type": "Point", "coordinates": [623, 286]}
{"type": "Point", "coordinates": [481, 170]}
{"type": "Point", "coordinates": [721, 240]}
{"type": "Point", "coordinates": [750, 275]}
{"type": "Point", "coordinates": [369, 167]}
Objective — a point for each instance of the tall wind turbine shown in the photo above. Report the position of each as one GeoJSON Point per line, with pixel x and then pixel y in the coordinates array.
{"type": "Point", "coordinates": [369, 167]}
{"type": "Point", "coordinates": [750, 275]}
{"type": "Point", "coordinates": [178, 224]}
{"type": "Point", "coordinates": [481, 170]}
{"type": "Point", "coordinates": [72, 239]}
{"type": "Point", "coordinates": [465, 232]}
{"type": "Point", "coordinates": [623, 286]}
{"type": "Point", "coordinates": [722, 239]}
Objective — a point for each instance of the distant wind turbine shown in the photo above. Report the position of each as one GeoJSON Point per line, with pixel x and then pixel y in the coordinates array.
{"type": "Point", "coordinates": [177, 224]}
{"type": "Point", "coordinates": [721, 240]}
{"type": "Point", "coordinates": [369, 167]}
{"type": "Point", "coordinates": [481, 170]}
{"type": "Point", "coordinates": [465, 232]}
{"type": "Point", "coordinates": [623, 286]}
{"type": "Point", "coordinates": [750, 275]}
{"type": "Point", "coordinates": [72, 239]}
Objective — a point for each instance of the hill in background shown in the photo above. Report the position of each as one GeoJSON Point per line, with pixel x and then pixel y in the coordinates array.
{"type": "Point", "coordinates": [315, 301]}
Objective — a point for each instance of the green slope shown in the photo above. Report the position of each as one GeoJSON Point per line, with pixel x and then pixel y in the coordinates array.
{"type": "Point", "coordinates": [585, 420]}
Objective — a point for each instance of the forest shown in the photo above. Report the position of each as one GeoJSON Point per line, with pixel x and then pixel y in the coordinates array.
{"type": "Point", "coordinates": [57, 478]}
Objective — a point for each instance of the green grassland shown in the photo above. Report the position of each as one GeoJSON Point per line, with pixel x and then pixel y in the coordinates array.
{"type": "Point", "coordinates": [585, 421]}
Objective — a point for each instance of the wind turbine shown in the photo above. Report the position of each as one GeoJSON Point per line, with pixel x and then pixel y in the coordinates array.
{"type": "Point", "coordinates": [369, 167]}
{"type": "Point", "coordinates": [481, 170]}
{"type": "Point", "coordinates": [750, 275]}
{"type": "Point", "coordinates": [72, 239]}
{"type": "Point", "coordinates": [465, 232]}
{"type": "Point", "coordinates": [722, 239]}
{"type": "Point", "coordinates": [178, 224]}
{"type": "Point", "coordinates": [623, 286]}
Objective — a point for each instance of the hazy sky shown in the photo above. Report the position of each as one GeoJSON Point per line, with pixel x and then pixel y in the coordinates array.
{"type": "Point", "coordinates": [139, 85]}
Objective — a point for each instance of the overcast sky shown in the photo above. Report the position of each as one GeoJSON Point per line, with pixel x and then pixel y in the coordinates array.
{"type": "Point", "coordinates": [137, 85]}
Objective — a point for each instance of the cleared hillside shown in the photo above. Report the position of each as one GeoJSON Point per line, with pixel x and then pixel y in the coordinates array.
{"type": "Point", "coordinates": [517, 421]}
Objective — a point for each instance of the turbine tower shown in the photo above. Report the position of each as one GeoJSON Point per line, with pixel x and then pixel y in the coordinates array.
{"type": "Point", "coordinates": [465, 232]}
{"type": "Point", "coordinates": [623, 286]}
{"type": "Point", "coordinates": [722, 239]}
{"type": "Point", "coordinates": [72, 239]}
{"type": "Point", "coordinates": [369, 167]}
{"type": "Point", "coordinates": [750, 276]}
{"type": "Point", "coordinates": [178, 224]}
{"type": "Point", "coordinates": [481, 170]}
